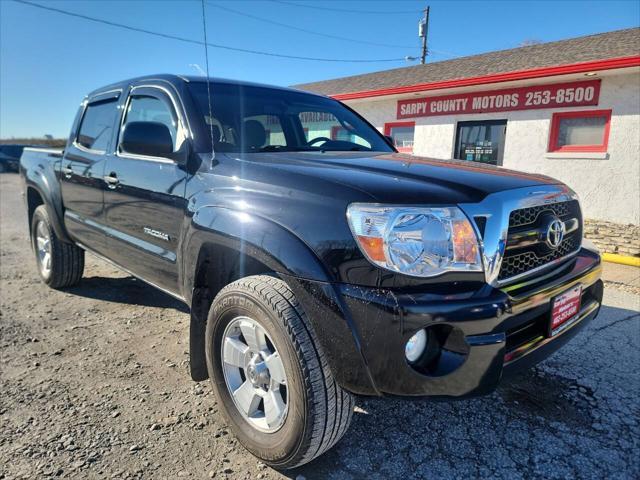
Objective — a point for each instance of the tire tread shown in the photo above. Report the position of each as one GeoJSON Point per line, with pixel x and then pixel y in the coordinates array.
{"type": "Point", "coordinates": [331, 407]}
{"type": "Point", "coordinates": [67, 259]}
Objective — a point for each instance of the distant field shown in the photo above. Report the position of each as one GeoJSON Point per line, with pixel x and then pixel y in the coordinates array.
{"type": "Point", "coordinates": [49, 142]}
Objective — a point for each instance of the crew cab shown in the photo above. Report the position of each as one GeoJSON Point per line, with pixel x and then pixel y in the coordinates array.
{"type": "Point", "coordinates": [318, 262]}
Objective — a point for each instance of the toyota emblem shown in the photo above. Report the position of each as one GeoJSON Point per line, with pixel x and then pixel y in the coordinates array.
{"type": "Point", "coordinates": [555, 233]}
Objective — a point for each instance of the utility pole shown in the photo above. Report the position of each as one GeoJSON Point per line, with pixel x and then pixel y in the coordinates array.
{"type": "Point", "coordinates": [423, 29]}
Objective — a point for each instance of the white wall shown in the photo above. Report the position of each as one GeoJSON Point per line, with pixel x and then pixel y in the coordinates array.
{"type": "Point", "coordinates": [608, 187]}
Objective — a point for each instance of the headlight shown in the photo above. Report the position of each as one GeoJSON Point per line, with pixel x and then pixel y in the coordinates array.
{"type": "Point", "coordinates": [422, 242]}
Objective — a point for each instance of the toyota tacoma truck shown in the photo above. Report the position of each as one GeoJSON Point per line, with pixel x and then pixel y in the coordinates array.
{"type": "Point", "coordinates": [318, 263]}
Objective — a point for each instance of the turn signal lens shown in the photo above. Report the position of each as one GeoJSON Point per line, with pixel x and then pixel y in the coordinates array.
{"type": "Point", "coordinates": [373, 247]}
{"type": "Point", "coordinates": [421, 242]}
{"type": "Point", "coordinates": [465, 245]}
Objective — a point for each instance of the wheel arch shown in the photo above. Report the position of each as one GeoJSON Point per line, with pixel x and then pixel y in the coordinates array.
{"type": "Point", "coordinates": [36, 196]}
{"type": "Point", "coordinates": [42, 186]}
{"type": "Point", "coordinates": [34, 200]}
{"type": "Point", "coordinates": [223, 245]}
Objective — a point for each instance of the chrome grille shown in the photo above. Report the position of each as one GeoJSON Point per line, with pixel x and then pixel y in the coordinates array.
{"type": "Point", "coordinates": [529, 223]}
{"type": "Point", "coordinates": [527, 216]}
{"type": "Point", "coordinates": [518, 264]}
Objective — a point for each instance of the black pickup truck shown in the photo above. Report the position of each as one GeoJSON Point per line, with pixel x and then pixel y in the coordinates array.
{"type": "Point", "coordinates": [317, 262]}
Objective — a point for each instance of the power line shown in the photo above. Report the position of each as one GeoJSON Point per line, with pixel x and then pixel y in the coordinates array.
{"type": "Point", "coordinates": [283, 2]}
{"type": "Point", "coordinates": [444, 54]}
{"type": "Point", "coordinates": [197, 42]}
{"type": "Point", "coordinates": [293, 27]}
{"type": "Point", "coordinates": [331, 9]}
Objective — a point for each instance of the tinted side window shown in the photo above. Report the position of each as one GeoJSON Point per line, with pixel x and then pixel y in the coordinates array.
{"type": "Point", "coordinates": [97, 124]}
{"type": "Point", "coordinates": [151, 109]}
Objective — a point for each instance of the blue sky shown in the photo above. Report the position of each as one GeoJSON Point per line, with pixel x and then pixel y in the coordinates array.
{"type": "Point", "coordinates": [48, 61]}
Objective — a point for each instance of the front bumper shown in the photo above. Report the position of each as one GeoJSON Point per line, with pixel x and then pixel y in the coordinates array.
{"type": "Point", "coordinates": [486, 334]}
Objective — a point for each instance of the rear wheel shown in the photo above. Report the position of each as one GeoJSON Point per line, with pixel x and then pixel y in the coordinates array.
{"type": "Point", "coordinates": [60, 264]}
{"type": "Point", "coordinates": [270, 374]}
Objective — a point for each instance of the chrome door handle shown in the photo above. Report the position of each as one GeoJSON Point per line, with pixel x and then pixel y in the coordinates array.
{"type": "Point", "coordinates": [67, 171]}
{"type": "Point", "coordinates": [112, 180]}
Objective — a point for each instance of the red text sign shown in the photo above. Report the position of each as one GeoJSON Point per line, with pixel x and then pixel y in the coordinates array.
{"type": "Point", "coordinates": [565, 307]}
{"type": "Point", "coordinates": [571, 94]}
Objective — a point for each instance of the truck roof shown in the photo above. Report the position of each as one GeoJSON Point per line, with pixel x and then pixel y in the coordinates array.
{"type": "Point", "coordinates": [182, 79]}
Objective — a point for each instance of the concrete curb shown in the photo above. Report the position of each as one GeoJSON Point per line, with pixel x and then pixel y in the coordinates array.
{"type": "Point", "coordinates": [621, 259]}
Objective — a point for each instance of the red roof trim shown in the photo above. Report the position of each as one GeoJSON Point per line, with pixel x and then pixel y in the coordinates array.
{"type": "Point", "coordinates": [582, 67]}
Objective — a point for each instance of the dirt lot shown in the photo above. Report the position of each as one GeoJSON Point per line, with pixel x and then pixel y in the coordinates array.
{"type": "Point", "coordinates": [94, 384]}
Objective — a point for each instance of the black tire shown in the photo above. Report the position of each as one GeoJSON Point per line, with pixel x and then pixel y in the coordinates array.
{"type": "Point", "coordinates": [319, 410]}
{"type": "Point", "coordinates": [66, 260]}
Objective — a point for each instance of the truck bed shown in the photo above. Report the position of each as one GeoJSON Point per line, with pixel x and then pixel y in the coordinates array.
{"type": "Point", "coordinates": [30, 152]}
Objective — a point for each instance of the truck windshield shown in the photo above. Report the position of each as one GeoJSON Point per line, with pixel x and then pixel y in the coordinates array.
{"type": "Point", "coordinates": [260, 119]}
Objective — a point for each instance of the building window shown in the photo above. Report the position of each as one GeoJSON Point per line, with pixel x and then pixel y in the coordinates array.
{"type": "Point", "coordinates": [481, 141]}
{"type": "Point", "coordinates": [586, 131]}
{"type": "Point", "coordinates": [402, 134]}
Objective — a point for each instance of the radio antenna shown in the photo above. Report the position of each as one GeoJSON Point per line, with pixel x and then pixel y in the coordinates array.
{"type": "Point", "coordinates": [206, 56]}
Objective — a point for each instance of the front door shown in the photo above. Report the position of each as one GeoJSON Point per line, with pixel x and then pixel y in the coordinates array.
{"type": "Point", "coordinates": [481, 141]}
{"type": "Point", "coordinates": [82, 169]}
{"type": "Point", "coordinates": [145, 198]}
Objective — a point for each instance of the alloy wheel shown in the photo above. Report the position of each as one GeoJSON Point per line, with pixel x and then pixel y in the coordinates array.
{"type": "Point", "coordinates": [43, 248]}
{"type": "Point", "coordinates": [254, 374]}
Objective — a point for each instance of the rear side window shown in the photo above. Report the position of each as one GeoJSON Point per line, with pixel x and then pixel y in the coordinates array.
{"type": "Point", "coordinates": [97, 124]}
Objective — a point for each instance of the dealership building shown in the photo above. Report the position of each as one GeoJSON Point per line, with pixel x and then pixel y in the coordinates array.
{"type": "Point", "coordinates": [567, 109]}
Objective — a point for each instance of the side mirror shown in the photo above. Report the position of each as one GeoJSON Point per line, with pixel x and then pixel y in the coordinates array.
{"type": "Point", "coordinates": [147, 138]}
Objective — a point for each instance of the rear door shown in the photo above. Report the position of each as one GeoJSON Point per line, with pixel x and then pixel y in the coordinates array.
{"type": "Point", "coordinates": [82, 170]}
{"type": "Point", "coordinates": [145, 198]}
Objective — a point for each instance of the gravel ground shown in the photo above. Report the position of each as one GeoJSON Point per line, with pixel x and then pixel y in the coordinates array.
{"type": "Point", "coordinates": [94, 384]}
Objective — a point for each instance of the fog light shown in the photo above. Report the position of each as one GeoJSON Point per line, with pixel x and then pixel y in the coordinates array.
{"type": "Point", "coordinates": [415, 346]}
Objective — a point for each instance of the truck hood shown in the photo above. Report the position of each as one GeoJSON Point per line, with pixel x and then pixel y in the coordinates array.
{"type": "Point", "coordinates": [399, 178]}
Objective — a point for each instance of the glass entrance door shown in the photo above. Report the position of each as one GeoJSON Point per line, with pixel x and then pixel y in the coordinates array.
{"type": "Point", "coordinates": [481, 141]}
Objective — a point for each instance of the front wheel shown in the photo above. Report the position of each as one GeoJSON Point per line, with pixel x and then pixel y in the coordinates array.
{"type": "Point", "coordinates": [60, 264]}
{"type": "Point", "coordinates": [271, 376]}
